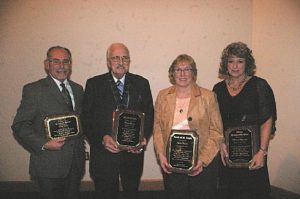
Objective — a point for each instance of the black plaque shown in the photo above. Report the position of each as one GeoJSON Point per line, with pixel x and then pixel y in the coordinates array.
{"type": "Point", "coordinates": [182, 150]}
{"type": "Point", "coordinates": [67, 125]}
{"type": "Point", "coordinates": [242, 143]}
{"type": "Point", "coordinates": [128, 128]}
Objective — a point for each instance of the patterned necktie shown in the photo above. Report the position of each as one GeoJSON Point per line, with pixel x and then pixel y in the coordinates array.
{"type": "Point", "coordinates": [120, 87]}
{"type": "Point", "coordinates": [65, 93]}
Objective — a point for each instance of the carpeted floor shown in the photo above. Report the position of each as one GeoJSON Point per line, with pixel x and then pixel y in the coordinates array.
{"type": "Point", "coordinates": [276, 194]}
{"type": "Point", "coordinates": [83, 195]}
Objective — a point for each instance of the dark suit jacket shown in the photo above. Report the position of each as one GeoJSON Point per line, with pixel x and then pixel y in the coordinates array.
{"type": "Point", "coordinates": [99, 103]}
{"type": "Point", "coordinates": [41, 99]}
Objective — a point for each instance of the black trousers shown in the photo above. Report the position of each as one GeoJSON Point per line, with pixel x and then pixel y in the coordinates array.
{"type": "Point", "coordinates": [204, 185]}
{"type": "Point", "coordinates": [123, 167]}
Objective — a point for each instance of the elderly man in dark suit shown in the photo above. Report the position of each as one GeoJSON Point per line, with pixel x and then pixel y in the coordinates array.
{"type": "Point", "coordinates": [57, 165]}
{"type": "Point", "coordinates": [101, 98]}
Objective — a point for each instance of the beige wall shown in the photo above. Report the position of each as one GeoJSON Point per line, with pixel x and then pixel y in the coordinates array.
{"type": "Point", "coordinates": [156, 32]}
{"type": "Point", "coordinates": [276, 43]}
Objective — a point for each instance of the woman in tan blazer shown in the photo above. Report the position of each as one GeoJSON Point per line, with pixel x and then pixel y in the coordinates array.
{"type": "Point", "coordinates": [185, 105]}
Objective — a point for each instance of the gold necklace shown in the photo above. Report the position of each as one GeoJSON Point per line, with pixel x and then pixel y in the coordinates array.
{"type": "Point", "coordinates": [239, 84]}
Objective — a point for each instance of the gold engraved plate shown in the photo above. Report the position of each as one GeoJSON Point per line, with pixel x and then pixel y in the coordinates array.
{"type": "Point", "coordinates": [242, 143]}
{"type": "Point", "coordinates": [128, 128]}
{"type": "Point", "coordinates": [65, 125]}
{"type": "Point", "coordinates": [182, 150]}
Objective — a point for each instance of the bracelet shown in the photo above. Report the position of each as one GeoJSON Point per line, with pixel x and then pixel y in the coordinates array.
{"type": "Point", "coordinates": [264, 151]}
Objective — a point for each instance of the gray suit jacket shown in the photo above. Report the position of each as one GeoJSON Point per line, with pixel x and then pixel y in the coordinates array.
{"type": "Point", "coordinates": [39, 100]}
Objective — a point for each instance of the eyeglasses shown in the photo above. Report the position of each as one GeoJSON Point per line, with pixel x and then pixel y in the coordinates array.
{"type": "Point", "coordinates": [125, 59]}
{"type": "Point", "coordinates": [59, 62]}
{"type": "Point", "coordinates": [185, 70]}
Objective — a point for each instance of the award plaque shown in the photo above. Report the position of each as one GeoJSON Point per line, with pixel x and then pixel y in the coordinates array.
{"type": "Point", "coordinates": [67, 125]}
{"type": "Point", "coordinates": [128, 128]}
{"type": "Point", "coordinates": [182, 150]}
{"type": "Point", "coordinates": [242, 143]}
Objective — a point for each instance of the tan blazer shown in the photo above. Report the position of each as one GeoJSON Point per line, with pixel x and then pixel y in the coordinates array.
{"type": "Point", "coordinates": [203, 114]}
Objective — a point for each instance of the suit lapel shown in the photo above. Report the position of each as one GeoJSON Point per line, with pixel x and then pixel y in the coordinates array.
{"type": "Point", "coordinates": [131, 91]}
{"type": "Point", "coordinates": [171, 104]}
{"type": "Point", "coordinates": [193, 101]}
{"type": "Point", "coordinates": [75, 95]}
{"type": "Point", "coordinates": [54, 90]}
{"type": "Point", "coordinates": [112, 89]}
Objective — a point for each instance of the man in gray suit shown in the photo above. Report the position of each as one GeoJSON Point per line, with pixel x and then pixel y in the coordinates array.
{"type": "Point", "coordinates": [57, 165]}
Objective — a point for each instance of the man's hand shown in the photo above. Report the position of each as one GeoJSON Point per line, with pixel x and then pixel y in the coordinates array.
{"type": "Point", "coordinates": [139, 149]}
{"type": "Point", "coordinates": [55, 144]}
{"type": "Point", "coordinates": [109, 144]}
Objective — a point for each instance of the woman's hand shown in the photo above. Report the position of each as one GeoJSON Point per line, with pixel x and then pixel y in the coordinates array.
{"type": "Point", "coordinates": [197, 169]}
{"type": "Point", "coordinates": [224, 153]}
{"type": "Point", "coordinates": [164, 163]}
{"type": "Point", "coordinates": [258, 160]}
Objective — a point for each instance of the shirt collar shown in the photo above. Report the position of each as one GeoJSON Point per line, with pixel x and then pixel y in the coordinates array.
{"type": "Point", "coordinates": [116, 79]}
{"type": "Point", "coordinates": [57, 82]}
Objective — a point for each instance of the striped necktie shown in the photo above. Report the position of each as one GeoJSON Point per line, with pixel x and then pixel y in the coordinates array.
{"type": "Point", "coordinates": [65, 93]}
{"type": "Point", "coordinates": [120, 87]}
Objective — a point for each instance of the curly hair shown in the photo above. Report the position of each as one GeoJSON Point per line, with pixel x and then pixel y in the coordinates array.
{"type": "Point", "coordinates": [241, 50]}
{"type": "Point", "coordinates": [181, 58]}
